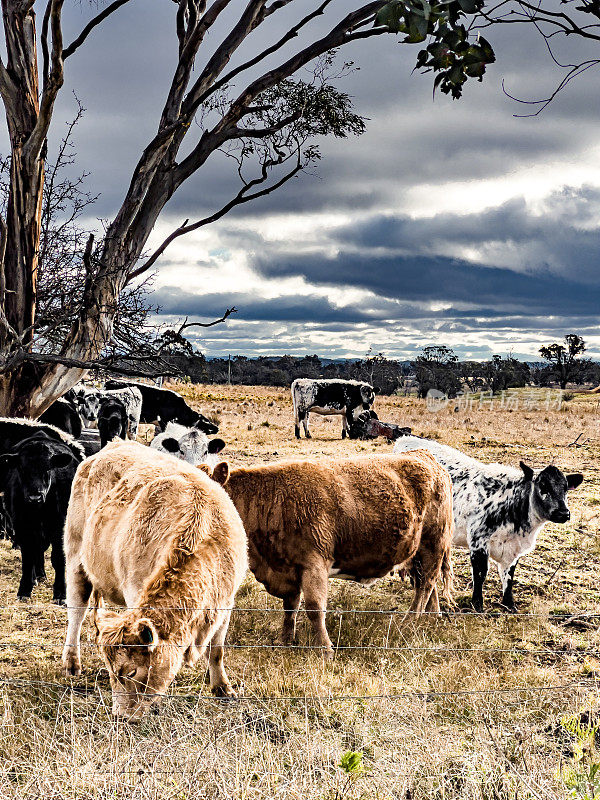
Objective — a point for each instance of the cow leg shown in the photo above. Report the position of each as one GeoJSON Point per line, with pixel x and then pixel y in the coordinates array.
{"type": "Point", "coordinates": [479, 568]}
{"type": "Point", "coordinates": [345, 426]}
{"type": "Point", "coordinates": [219, 682]}
{"type": "Point", "coordinates": [433, 604]}
{"type": "Point", "coordinates": [28, 559]}
{"type": "Point", "coordinates": [296, 422]}
{"type": "Point", "coordinates": [314, 588]}
{"type": "Point", "coordinates": [304, 419]}
{"type": "Point", "coordinates": [507, 576]}
{"type": "Point", "coordinates": [291, 603]}
{"type": "Point", "coordinates": [79, 590]}
{"type": "Point", "coordinates": [40, 568]}
{"type": "Point", "coordinates": [57, 558]}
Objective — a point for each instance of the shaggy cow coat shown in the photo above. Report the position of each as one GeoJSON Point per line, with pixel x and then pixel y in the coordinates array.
{"type": "Point", "coordinates": [159, 537]}
{"type": "Point", "coordinates": [354, 518]}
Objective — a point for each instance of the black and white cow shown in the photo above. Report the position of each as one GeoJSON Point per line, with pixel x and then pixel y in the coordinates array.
{"type": "Point", "coordinates": [35, 478]}
{"type": "Point", "coordinates": [188, 444]}
{"type": "Point", "coordinates": [130, 396]}
{"type": "Point", "coordinates": [161, 406]}
{"type": "Point", "coordinates": [63, 414]}
{"type": "Point", "coordinates": [335, 396]}
{"type": "Point", "coordinates": [498, 510]}
{"type": "Point", "coordinates": [112, 420]}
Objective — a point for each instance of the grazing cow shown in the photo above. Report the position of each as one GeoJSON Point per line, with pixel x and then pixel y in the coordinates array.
{"type": "Point", "coordinates": [161, 406]}
{"type": "Point", "coordinates": [345, 398]}
{"type": "Point", "coordinates": [130, 396]}
{"type": "Point", "coordinates": [36, 476]}
{"type": "Point", "coordinates": [498, 510]}
{"type": "Point", "coordinates": [112, 420]}
{"type": "Point", "coordinates": [354, 518]}
{"type": "Point", "coordinates": [64, 415]}
{"type": "Point", "coordinates": [368, 426]}
{"type": "Point", "coordinates": [188, 444]}
{"type": "Point", "coordinates": [159, 537]}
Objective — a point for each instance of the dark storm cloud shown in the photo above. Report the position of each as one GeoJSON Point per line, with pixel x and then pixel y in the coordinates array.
{"type": "Point", "coordinates": [443, 280]}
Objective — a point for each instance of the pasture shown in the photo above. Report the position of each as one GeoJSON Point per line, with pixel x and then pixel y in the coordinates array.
{"type": "Point", "coordinates": [469, 706]}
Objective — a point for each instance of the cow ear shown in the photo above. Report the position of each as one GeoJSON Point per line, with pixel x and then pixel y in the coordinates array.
{"type": "Point", "coordinates": [527, 471]}
{"type": "Point", "coordinates": [221, 473]}
{"type": "Point", "coordinates": [170, 444]}
{"type": "Point", "coordinates": [60, 460]}
{"type": "Point", "coordinates": [215, 446]}
{"type": "Point", "coordinates": [574, 479]}
{"type": "Point", "coordinates": [147, 633]}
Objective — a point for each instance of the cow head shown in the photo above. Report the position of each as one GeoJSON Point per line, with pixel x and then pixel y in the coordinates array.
{"type": "Point", "coordinates": [367, 394]}
{"type": "Point", "coordinates": [550, 487]}
{"type": "Point", "coordinates": [141, 665]}
{"type": "Point", "coordinates": [35, 461]}
{"type": "Point", "coordinates": [88, 404]}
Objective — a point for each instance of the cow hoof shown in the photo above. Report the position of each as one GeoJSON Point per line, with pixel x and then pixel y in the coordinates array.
{"type": "Point", "coordinates": [328, 654]}
{"type": "Point", "coordinates": [60, 601]}
{"type": "Point", "coordinates": [39, 579]}
{"type": "Point", "coordinates": [509, 609]}
{"type": "Point", "coordinates": [225, 691]}
{"type": "Point", "coordinates": [22, 598]}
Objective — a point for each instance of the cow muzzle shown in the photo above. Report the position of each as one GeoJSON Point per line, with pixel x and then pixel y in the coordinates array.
{"type": "Point", "coordinates": [561, 515]}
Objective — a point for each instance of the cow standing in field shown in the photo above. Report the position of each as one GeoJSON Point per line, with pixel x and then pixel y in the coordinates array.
{"type": "Point", "coordinates": [130, 396]}
{"type": "Point", "coordinates": [158, 536]}
{"type": "Point", "coordinates": [36, 476]}
{"type": "Point", "coordinates": [161, 406]}
{"type": "Point", "coordinates": [498, 510]}
{"type": "Point", "coordinates": [326, 397]}
{"type": "Point", "coordinates": [356, 519]}
{"type": "Point", "coordinates": [188, 444]}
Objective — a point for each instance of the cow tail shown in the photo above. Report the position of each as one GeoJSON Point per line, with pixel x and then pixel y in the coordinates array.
{"type": "Point", "coordinates": [447, 577]}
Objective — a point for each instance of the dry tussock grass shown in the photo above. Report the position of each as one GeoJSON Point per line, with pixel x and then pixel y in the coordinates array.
{"type": "Point", "coordinates": [444, 734]}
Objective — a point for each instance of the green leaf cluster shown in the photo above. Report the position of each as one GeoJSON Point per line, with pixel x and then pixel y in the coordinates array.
{"type": "Point", "coordinates": [450, 52]}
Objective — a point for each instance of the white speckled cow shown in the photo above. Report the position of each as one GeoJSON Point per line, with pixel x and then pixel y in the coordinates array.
{"type": "Point", "coordinates": [335, 396]}
{"type": "Point", "coordinates": [498, 510]}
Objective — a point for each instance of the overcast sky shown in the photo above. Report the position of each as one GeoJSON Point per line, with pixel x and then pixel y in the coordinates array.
{"type": "Point", "coordinates": [447, 222]}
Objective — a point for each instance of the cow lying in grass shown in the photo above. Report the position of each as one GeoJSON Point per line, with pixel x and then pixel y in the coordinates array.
{"type": "Point", "coordinates": [354, 518]}
{"type": "Point", "coordinates": [498, 510]}
{"type": "Point", "coordinates": [159, 537]}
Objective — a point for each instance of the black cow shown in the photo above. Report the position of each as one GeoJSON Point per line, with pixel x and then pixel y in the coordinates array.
{"type": "Point", "coordinates": [36, 476]}
{"type": "Point", "coordinates": [112, 420]}
{"type": "Point", "coordinates": [63, 414]}
{"type": "Point", "coordinates": [334, 396]}
{"type": "Point", "coordinates": [160, 406]}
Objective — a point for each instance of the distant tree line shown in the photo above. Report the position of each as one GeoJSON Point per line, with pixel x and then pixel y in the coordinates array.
{"type": "Point", "coordinates": [437, 367]}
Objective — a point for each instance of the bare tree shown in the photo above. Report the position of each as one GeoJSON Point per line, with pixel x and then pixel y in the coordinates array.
{"type": "Point", "coordinates": [571, 25]}
{"type": "Point", "coordinates": [267, 127]}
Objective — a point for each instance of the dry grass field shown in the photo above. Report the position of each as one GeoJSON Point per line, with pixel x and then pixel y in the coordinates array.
{"type": "Point", "coordinates": [473, 707]}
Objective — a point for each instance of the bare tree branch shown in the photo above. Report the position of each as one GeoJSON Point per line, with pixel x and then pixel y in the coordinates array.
{"type": "Point", "coordinates": [243, 196]}
{"type": "Point", "coordinates": [93, 23]}
{"type": "Point", "coordinates": [186, 324]}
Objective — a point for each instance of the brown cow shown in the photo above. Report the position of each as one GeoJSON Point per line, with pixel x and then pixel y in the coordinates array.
{"type": "Point", "coordinates": [158, 536]}
{"type": "Point", "coordinates": [353, 518]}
